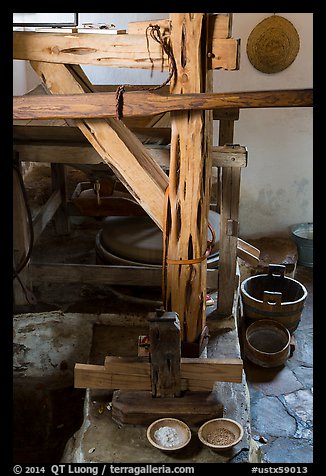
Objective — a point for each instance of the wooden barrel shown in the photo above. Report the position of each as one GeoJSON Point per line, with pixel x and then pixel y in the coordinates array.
{"type": "Point", "coordinates": [273, 296]}
{"type": "Point", "coordinates": [267, 343]}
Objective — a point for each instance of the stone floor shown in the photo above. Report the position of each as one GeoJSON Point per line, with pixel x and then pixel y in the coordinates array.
{"type": "Point", "coordinates": [282, 398]}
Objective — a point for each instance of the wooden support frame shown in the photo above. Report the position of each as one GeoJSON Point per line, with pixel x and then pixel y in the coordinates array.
{"type": "Point", "coordinates": [105, 274]}
{"type": "Point", "coordinates": [71, 80]}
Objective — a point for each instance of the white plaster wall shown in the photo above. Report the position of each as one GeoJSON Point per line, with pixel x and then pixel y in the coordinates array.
{"type": "Point", "coordinates": [276, 187]}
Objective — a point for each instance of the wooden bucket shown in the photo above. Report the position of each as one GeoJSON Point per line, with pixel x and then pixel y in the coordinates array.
{"type": "Point", "coordinates": [273, 296]}
{"type": "Point", "coordinates": [267, 343]}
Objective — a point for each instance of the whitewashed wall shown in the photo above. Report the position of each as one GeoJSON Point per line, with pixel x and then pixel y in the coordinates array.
{"type": "Point", "coordinates": [276, 187]}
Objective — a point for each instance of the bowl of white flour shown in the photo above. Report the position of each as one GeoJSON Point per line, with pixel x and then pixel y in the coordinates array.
{"type": "Point", "coordinates": [169, 434]}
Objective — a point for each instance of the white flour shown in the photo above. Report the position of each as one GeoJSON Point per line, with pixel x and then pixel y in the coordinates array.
{"type": "Point", "coordinates": [167, 436]}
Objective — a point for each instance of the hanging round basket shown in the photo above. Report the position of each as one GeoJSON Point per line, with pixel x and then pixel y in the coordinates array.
{"type": "Point", "coordinates": [273, 44]}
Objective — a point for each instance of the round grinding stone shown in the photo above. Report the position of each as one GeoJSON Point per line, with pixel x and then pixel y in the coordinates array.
{"type": "Point", "coordinates": [139, 239]}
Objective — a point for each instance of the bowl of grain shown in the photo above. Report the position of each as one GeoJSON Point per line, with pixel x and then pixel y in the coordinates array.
{"type": "Point", "coordinates": [220, 434]}
{"type": "Point", "coordinates": [169, 434]}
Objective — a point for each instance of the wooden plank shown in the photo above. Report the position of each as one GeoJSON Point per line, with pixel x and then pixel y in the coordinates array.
{"type": "Point", "coordinates": [165, 353]}
{"type": "Point", "coordinates": [85, 154]}
{"type": "Point", "coordinates": [62, 135]}
{"type": "Point", "coordinates": [128, 373]}
{"type": "Point", "coordinates": [71, 154]}
{"type": "Point", "coordinates": [46, 214]}
{"type": "Point", "coordinates": [188, 195]}
{"type": "Point", "coordinates": [101, 105]}
{"type": "Point", "coordinates": [90, 30]}
{"type": "Point", "coordinates": [220, 25]}
{"type": "Point", "coordinates": [225, 156]}
{"type": "Point", "coordinates": [225, 54]}
{"type": "Point", "coordinates": [117, 145]}
{"type": "Point", "coordinates": [92, 274]}
{"type": "Point", "coordinates": [121, 51]}
{"type": "Point", "coordinates": [248, 252]}
{"type": "Point", "coordinates": [229, 210]}
{"type": "Point", "coordinates": [227, 113]}
{"type": "Point", "coordinates": [97, 376]}
{"type": "Point", "coordinates": [64, 154]}
{"type": "Point", "coordinates": [201, 374]}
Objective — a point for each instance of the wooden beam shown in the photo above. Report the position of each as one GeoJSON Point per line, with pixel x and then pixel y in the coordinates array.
{"type": "Point", "coordinates": [220, 25]}
{"type": "Point", "coordinates": [227, 113]}
{"type": "Point", "coordinates": [101, 105]}
{"type": "Point", "coordinates": [139, 27]}
{"type": "Point", "coordinates": [121, 51]}
{"type": "Point", "coordinates": [71, 154]}
{"type": "Point", "coordinates": [248, 252]}
{"type": "Point", "coordinates": [117, 145]}
{"type": "Point", "coordinates": [46, 214]}
{"type": "Point", "coordinates": [229, 213]}
{"type": "Point", "coordinates": [59, 182]}
{"type": "Point", "coordinates": [101, 274]}
{"type": "Point", "coordinates": [165, 353]}
{"type": "Point", "coordinates": [21, 237]}
{"type": "Point", "coordinates": [226, 156]}
{"type": "Point", "coordinates": [72, 135]}
{"type": "Point", "coordinates": [128, 373]}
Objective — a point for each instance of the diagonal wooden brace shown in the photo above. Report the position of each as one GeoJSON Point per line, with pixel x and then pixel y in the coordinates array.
{"type": "Point", "coordinates": [115, 143]}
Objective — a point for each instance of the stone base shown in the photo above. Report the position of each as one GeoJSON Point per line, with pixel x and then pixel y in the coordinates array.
{"type": "Point", "coordinates": [140, 408]}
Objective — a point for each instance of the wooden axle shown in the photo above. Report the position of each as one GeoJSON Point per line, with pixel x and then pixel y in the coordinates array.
{"type": "Point", "coordinates": [139, 103]}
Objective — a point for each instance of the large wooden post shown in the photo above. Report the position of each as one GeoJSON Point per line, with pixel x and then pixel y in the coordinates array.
{"type": "Point", "coordinates": [189, 185]}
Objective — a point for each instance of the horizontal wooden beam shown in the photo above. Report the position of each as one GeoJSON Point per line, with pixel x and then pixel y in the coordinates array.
{"type": "Point", "coordinates": [71, 154]}
{"type": "Point", "coordinates": [127, 373]}
{"type": "Point", "coordinates": [229, 156]}
{"type": "Point", "coordinates": [135, 103]}
{"type": "Point", "coordinates": [101, 274]}
{"type": "Point", "coordinates": [121, 51]}
{"type": "Point", "coordinates": [67, 145]}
